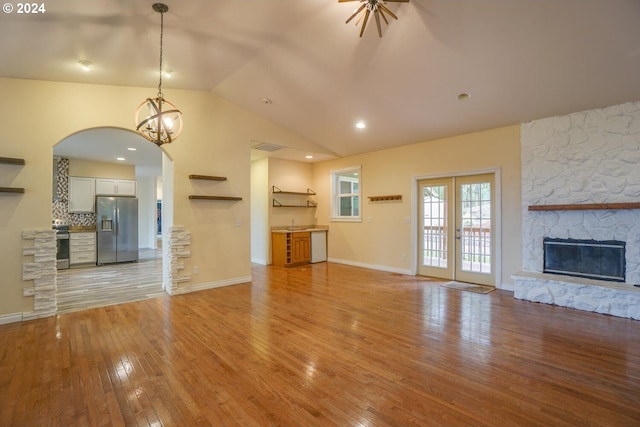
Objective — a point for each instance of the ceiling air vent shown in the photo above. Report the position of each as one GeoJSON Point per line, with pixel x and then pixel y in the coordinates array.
{"type": "Point", "coordinates": [263, 146]}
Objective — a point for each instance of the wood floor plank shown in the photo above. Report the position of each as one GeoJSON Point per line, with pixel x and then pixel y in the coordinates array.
{"type": "Point", "coordinates": [323, 344]}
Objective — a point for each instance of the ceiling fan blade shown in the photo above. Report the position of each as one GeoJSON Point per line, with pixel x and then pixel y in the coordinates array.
{"type": "Point", "coordinates": [388, 11]}
{"type": "Point", "coordinates": [384, 17]}
{"type": "Point", "coordinates": [377, 15]}
{"type": "Point", "coordinates": [356, 13]}
{"type": "Point", "coordinates": [364, 24]}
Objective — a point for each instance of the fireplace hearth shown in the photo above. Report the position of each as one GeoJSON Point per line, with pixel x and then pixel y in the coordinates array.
{"type": "Point", "coordinates": [593, 259]}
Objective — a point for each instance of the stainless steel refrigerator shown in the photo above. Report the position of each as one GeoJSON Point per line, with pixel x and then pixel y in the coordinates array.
{"type": "Point", "coordinates": [117, 229]}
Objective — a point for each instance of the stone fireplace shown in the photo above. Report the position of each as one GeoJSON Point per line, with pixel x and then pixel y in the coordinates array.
{"type": "Point", "coordinates": [581, 182]}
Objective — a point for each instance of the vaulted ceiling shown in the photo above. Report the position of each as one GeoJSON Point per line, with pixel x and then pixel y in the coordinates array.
{"type": "Point", "coordinates": [518, 60]}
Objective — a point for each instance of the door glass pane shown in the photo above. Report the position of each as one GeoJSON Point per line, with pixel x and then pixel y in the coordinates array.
{"type": "Point", "coordinates": [475, 233]}
{"type": "Point", "coordinates": [434, 199]}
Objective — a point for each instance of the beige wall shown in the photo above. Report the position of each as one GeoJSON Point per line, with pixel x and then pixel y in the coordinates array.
{"type": "Point", "coordinates": [383, 236]}
{"type": "Point", "coordinates": [215, 141]}
{"type": "Point", "coordinates": [260, 234]}
{"type": "Point", "coordinates": [294, 176]}
{"type": "Point", "coordinates": [88, 168]}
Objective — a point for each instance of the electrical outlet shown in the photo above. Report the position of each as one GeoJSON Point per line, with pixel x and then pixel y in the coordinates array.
{"type": "Point", "coordinates": [196, 270]}
{"type": "Point", "coordinates": [404, 257]}
{"type": "Point", "coordinates": [238, 222]}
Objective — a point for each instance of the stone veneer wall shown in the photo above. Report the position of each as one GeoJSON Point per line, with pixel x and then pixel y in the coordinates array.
{"type": "Point", "coordinates": [177, 249]}
{"type": "Point", "coordinates": [42, 271]}
{"type": "Point", "coordinates": [587, 157]}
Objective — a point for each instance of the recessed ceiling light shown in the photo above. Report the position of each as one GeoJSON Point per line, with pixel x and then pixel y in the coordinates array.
{"type": "Point", "coordinates": [463, 97]}
{"type": "Point", "coordinates": [85, 65]}
{"type": "Point", "coordinates": [266, 101]}
{"type": "Point", "coordinates": [308, 156]}
{"type": "Point", "coordinates": [361, 125]}
{"type": "Point", "coordinates": [131, 149]}
{"type": "Point", "coordinates": [120, 158]}
{"type": "Point", "coordinates": [168, 73]}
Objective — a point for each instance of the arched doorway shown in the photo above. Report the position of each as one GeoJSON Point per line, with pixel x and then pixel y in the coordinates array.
{"type": "Point", "coordinates": [103, 155]}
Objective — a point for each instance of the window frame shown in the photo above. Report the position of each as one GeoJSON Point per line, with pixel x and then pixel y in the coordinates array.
{"type": "Point", "coordinates": [336, 196]}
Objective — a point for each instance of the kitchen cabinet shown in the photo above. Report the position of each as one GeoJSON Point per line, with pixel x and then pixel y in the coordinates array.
{"type": "Point", "coordinates": [81, 194]}
{"type": "Point", "coordinates": [290, 248]}
{"type": "Point", "coordinates": [82, 249]}
{"type": "Point", "coordinates": [115, 187]}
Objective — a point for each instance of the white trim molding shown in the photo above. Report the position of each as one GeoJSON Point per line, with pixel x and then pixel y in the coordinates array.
{"type": "Point", "coordinates": [212, 285]}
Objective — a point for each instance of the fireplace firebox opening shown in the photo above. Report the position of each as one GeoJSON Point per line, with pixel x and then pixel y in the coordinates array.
{"type": "Point", "coordinates": [593, 259]}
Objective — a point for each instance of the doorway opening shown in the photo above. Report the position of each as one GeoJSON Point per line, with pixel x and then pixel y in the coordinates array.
{"type": "Point", "coordinates": [456, 233]}
{"type": "Point", "coordinates": [102, 156]}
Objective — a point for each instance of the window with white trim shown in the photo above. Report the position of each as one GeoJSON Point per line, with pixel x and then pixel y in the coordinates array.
{"type": "Point", "coordinates": [345, 194]}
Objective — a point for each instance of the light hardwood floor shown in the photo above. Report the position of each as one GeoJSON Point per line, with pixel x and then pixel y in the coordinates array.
{"type": "Point", "coordinates": [98, 286]}
{"type": "Point", "coordinates": [319, 345]}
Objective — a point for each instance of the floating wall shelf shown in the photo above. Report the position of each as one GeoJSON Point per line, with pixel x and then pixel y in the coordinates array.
{"type": "Point", "coordinates": [227, 198]}
{"type": "Point", "coordinates": [585, 207]}
{"type": "Point", "coordinates": [12, 190]}
{"type": "Point", "coordinates": [381, 198]}
{"type": "Point", "coordinates": [218, 198]}
{"type": "Point", "coordinates": [11, 161]}
{"type": "Point", "coordinates": [208, 177]}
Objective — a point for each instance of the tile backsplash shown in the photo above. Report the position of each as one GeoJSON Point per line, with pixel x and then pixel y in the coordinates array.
{"type": "Point", "coordinates": [60, 206]}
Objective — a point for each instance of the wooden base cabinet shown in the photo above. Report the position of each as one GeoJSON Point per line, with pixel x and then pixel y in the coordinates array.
{"type": "Point", "coordinates": [290, 249]}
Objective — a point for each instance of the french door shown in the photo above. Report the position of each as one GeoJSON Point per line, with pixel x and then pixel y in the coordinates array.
{"type": "Point", "coordinates": [456, 228]}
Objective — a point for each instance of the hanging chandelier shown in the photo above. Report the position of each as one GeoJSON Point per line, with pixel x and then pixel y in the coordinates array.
{"type": "Point", "coordinates": [158, 120]}
{"type": "Point", "coordinates": [377, 7]}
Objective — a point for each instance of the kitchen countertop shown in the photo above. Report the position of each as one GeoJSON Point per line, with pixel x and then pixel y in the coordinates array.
{"type": "Point", "coordinates": [82, 229]}
{"type": "Point", "coordinates": [299, 229]}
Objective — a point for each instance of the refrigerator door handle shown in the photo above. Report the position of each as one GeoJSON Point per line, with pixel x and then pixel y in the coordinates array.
{"type": "Point", "coordinates": [116, 216]}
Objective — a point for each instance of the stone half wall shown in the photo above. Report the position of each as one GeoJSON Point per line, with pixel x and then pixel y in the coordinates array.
{"type": "Point", "coordinates": [587, 157]}
{"type": "Point", "coordinates": [41, 271]}
{"type": "Point", "coordinates": [177, 249]}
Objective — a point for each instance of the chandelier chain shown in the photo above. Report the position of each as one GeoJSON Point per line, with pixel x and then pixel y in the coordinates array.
{"type": "Point", "coordinates": [161, 37]}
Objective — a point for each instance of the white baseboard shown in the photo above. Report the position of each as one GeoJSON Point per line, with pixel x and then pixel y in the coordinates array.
{"type": "Point", "coordinates": [507, 287]}
{"type": "Point", "coordinates": [212, 285]}
{"type": "Point", "coordinates": [10, 318]}
{"type": "Point", "coordinates": [371, 266]}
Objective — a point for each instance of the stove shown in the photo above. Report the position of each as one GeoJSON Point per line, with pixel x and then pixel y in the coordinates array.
{"type": "Point", "coordinates": [62, 239]}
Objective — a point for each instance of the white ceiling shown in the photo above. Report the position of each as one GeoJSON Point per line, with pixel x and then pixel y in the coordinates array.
{"type": "Point", "coordinates": [518, 59]}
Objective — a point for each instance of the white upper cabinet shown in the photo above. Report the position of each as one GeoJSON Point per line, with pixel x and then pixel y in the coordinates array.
{"type": "Point", "coordinates": [115, 187]}
{"type": "Point", "coordinates": [81, 194]}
